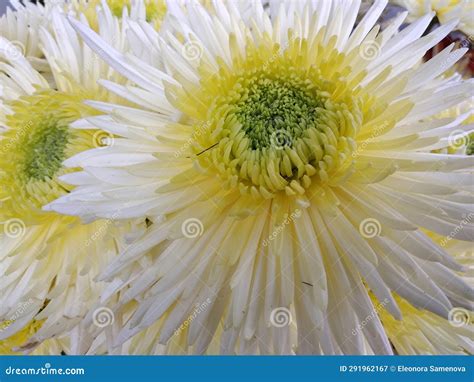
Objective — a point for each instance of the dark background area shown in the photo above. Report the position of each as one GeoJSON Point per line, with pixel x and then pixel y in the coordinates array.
{"type": "Point", "coordinates": [3, 6]}
{"type": "Point", "coordinates": [4, 3]}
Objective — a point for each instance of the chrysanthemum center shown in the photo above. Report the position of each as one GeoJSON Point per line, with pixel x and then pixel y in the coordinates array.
{"type": "Point", "coordinates": [272, 123]}
{"type": "Point", "coordinates": [273, 112]}
{"type": "Point", "coordinates": [274, 132]}
{"type": "Point", "coordinates": [32, 150]}
{"type": "Point", "coordinates": [44, 148]}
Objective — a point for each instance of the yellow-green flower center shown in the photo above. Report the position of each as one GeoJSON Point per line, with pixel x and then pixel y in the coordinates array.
{"type": "Point", "coordinates": [276, 112]}
{"type": "Point", "coordinates": [276, 131]}
{"type": "Point", "coordinates": [44, 149]}
{"type": "Point", "coordinates": [276, 120]}
{"type": "Point", "coordinates": [33, 148]}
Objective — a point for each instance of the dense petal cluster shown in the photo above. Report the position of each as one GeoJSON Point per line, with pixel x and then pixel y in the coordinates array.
{"type": "Point", "coordinates": [446, 10]}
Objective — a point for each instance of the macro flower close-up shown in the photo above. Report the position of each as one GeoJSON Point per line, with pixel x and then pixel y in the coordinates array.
{"type": "Point", "coordinates": [237, 177]}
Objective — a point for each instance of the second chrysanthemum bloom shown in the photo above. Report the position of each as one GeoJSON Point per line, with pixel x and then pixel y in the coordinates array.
{"type": "Point", "coordinates": [48, 261]}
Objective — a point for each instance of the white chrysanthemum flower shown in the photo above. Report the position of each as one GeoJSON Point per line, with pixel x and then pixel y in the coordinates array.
{"type": "Point", "coordinates": [422, 332]}
{"type": "Point", "coordinates": [285, 164]}
{"type": "Point", "coordinates": [20, 25]}
{"type": "Point", "coordinates": [446, 11]}
{"type": "Point", "coordinates": [49, 262]}
{"type": "Point", "coordinates": [460, 140]}
{"type": "Point", "coordinates": [22, 21]}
